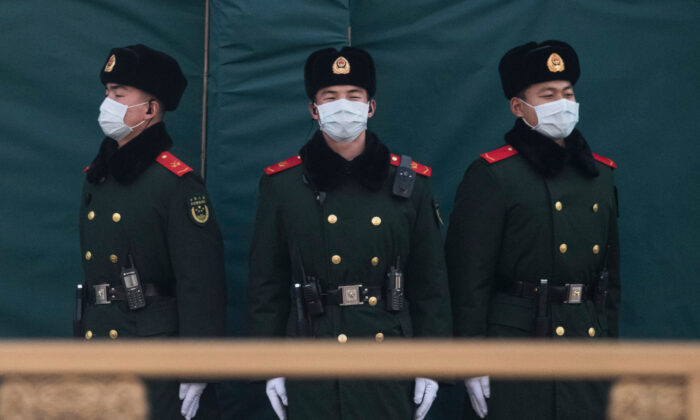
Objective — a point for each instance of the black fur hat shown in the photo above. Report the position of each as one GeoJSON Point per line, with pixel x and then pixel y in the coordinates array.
{"type": "Point", "coordinates": [147, 69]}
{"type": "Point", "coordinates": [329, 67]}
{"type": "Point", "coordinates": [533, 63]}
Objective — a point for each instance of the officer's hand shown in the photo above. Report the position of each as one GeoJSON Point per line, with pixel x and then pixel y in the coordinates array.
{"type": "Point", "coordinates": [190, 394]}
{"type": "Point", "coordinates": [424, 395]}
{"type": "Point", "coordinates": [479, 389]}
{"type": "Point", "coordinates": [277, 393]}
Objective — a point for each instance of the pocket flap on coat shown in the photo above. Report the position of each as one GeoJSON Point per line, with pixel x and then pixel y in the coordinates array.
{"type": "Point", "coordinates": [512, 311]}
{"type": "Point", "coordinates": [158, 318]}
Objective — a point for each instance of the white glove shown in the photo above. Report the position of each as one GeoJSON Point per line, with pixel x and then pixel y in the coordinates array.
{"type": "Point", "coordinates": [423, 395]}
{"type": "Point", "coordinates": [277, 394]}
{"type": "Point", "coordinates": [190, 394]}
{"type": "Point", "coordinates": [479, 389]}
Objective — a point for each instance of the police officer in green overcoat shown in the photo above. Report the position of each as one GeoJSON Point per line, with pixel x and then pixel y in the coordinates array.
{"type": "Point", "coordinates": [347, 246]}
{"type": "Point", "coordinates": [151, 247]}
{"type": "Point", "coordinates": [532, 247]}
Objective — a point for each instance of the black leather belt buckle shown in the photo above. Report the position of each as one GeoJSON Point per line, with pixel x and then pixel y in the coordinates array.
{"type": "Point", "coordinates": [574, 293]}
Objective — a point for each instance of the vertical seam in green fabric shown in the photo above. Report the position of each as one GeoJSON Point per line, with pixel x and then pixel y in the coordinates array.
{"type": "Point", "coordinates": [205, 75]}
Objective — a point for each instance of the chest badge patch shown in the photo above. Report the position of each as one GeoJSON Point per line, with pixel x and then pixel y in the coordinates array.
{"type": "Point", "coordinates": [199, 210]}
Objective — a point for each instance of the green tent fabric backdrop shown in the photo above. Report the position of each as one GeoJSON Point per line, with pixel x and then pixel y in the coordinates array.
{"type": "Point", "coordinates": [439, 100]}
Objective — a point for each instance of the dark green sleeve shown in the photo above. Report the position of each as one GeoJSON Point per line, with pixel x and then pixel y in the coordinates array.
{"type": "Point", "coordinates": [426, 276]}
{"type": "Point", "coordinates": [614, 283]}
{"type": "Point", "coordinates": [270, 272]}
{"type": "Point", "coordinates": [472, 247]}
{"type": "Point", "coordinates": [196, 255]}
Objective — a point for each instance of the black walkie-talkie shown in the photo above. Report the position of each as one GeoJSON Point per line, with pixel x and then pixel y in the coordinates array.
{"type": "Point", "coordinates": [405, 178]}
{"type": "Point", "coordinates": [132, 287]}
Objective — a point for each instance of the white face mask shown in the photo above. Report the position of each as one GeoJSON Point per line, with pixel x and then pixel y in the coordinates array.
{"type": "Point", "coordinates": [556, 119]}
{"type": "Point", "coordinates": [111, 119]}
{"type": "Point", "coordinates": [343, 120]}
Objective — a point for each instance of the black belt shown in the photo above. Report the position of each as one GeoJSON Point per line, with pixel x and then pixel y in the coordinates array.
{"type": "Point", "coordinates": [355, 294]}
{"type": "Point", "coordinates": [101, 294]}
{"type": "Point", "coordinates": [569, 293]}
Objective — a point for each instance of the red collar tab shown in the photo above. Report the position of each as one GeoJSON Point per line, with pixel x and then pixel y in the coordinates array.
{"type": "Point", "coordinates": [499, 154]}
{"type": "Point", "coordinates": [417, 167]}
{"type": "Point", "coordinates": [605, 161]}
{"type": "Point", "coordinates": [284, 165]}
{"type": "Point", "coordinates": [173, 164]}
{"type": "Point", "coordinates": [87, 168]}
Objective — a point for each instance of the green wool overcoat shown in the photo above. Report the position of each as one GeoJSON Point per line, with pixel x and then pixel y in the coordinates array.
{"type": "Point", "coordinates": [348, 229]}
{"type": "Point", "coordinates": [533, 210]}
{"type": "Point", "coordinates": [141, 201]}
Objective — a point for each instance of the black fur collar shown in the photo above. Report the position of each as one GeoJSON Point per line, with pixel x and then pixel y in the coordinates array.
{"type": "Point", "coordinates": [546, 156]}
{"type": "Point", "coordinates": [127, 163]}
{"type": "Point", "coordinates": [326, 169]}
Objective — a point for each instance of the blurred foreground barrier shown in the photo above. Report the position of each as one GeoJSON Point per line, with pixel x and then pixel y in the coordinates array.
{"type": "Point", "coordinates": [59, 397]}
{"type": "Point", "coordinates": [649, 399]}
{"type": "Point", "coordinates": [655, 362]}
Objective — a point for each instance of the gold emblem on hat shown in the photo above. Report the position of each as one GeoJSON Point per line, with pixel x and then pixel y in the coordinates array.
{"type": "Point", "coordinates": [341, 66]}
{"type": "Point", "coordinates": [110, 63]}
{"type": "Point", "coordinates": [555, 63]}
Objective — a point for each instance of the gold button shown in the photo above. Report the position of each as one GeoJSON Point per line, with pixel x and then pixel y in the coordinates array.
{"type": "Point", "coordinates": [113, 334]}
{"type": "Point", "coordinates": [560, 331]}
{"type": "Point", "coordinates": [510, 149]}
{"type": "Point", "coordinates": [332, 218]}
{"type": "Point", "coordinates": [596, 249]}
{"type": "Point", "coordinates": [558, 205]}
{"type": "Point", "coordinates": [342, 338]}
{"type": "Point", "coordinates": [372, 301]}
{"type": "Point", "coordinates": [88, 335]}
{"type": "Point", "coordinates": [336, 259]}
{"type": "Point", "coordinates": [591, 332]}
{"type": "Point", "coordinates": [394, 158]}
{"type": "Point", "coordinates": [116, 217]}
{"type": "Point", "coordinates": [374, 261]}
{"type": "Point", "coordinates": [563, 248]}
{"type": "Point", "coordinates": [595, 208]}
{"type": "Point", "coordinates": [376, 221]}
{"type": "Point", "coordinates": [113, 258]}
{"type": "Point", "coordinates": [88, 256]}
{"type": "Point", "coordinates": [91, 215]}
{"type": "Point", "coordinates": [379, 337]}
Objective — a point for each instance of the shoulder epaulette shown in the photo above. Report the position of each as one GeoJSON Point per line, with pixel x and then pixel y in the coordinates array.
{"type": "Point", "coordinates": [499, 154]}
{"type": "Point", "coordinates": [417, 167]}
{"type": "Point", "coordinates": [605, 161]}
{"type": "Point", "coordinates": [173, 164]}
{"type": "Point", "coordinates": [285, 164]}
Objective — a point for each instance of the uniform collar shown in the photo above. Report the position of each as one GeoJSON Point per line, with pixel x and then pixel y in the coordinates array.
{"type": "Point", "coordinates": [326, 169]}
{"type": "Point", "coordinates": [546, 156]}
{"type": "Point", "coordinates": [127, 163]}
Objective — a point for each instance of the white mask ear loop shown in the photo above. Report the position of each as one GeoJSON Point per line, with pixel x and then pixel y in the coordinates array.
{"type": "Point", "coordinates": [142, 103]}
{"type": "Point", "coordinates": [523, 117]}
{"type": "Point", "coordinates": [133, 106]}
{"type": "Point", "coordinates": [134, 126]}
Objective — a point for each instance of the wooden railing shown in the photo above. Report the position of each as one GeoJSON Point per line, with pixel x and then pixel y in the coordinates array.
{"type": "Point", "coordinates": [399, 358]}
